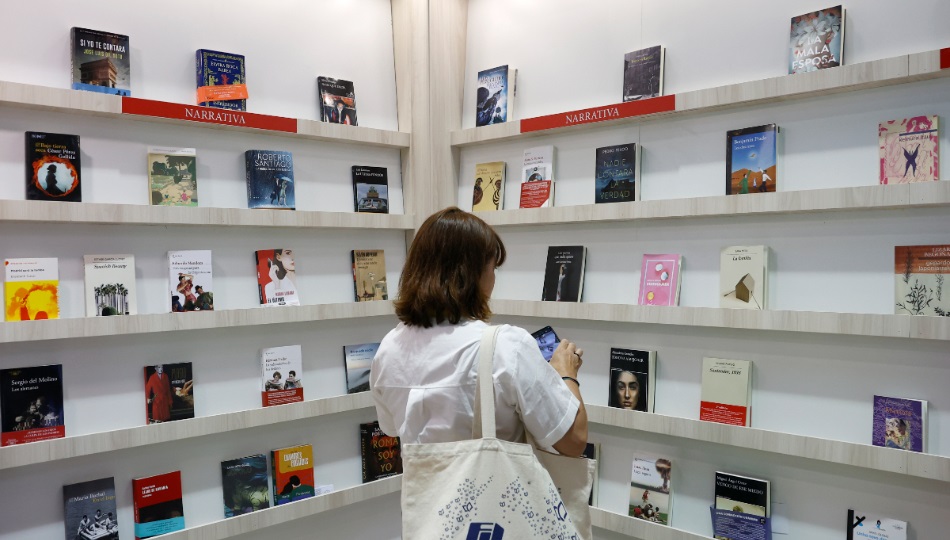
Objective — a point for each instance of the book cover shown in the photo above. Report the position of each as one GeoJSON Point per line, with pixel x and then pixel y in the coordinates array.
{"type": "Point", "coordinates": [293, 473]}
{"type": "Point", "coordinates": [592, 451]}
{"type": "Point", "coordinates": [744, 277]}
{"type": "Point", "coordinates": [564, 274]}
{"type": "Point", "coordinates": [919, 278]}
{"type": "Point", "coordinates": [31, 404]}
{"type": "Point", "coordinates": [537, 177]}
{"type": "Point", "coordinates": [495, 95]}
{"type": "Point", "coordinates": [53, 167]}
{"type": "Point", "coordinates": [276, 277]}
{"type": "Point", "coordinates": [157, 504]}
{"type": "Point", "coordinates": [726, 396]}
{"type": "Point", "coordinates": [643, 73]}
{"type": "Point", "coordinates": [214, 69]}
{"type": "Point", "coordinates": [369, 274]}
{"type": "Point", "coordinates": [863, 525]}
{"type": "Point", "coordinates": [90, 510]}
{"type": "Point", "coordinates": [616, 172]}
{"type": "Point", "coordinates": [110, 285]}
{"type": "Point", "coordinates": [190, 280]}
{"type": "Point", "coordinates": [650, 489]}
{"type": "Point", "coordinates": [380, 453]}
{"type": "Point", "coordinates": [244, 483]}
{"type": "Point", "coordinates": [632, 379]}
{"type": "Point", "coordinates": [31, 289]}
{"type": "Point", "coordinates": [169, 392]}
{"type": "Point", "coordinates": [281, 375]}
{"type": "Point", "coordinates": [100, 62]}
{"type": "Point", "coordinates": [358, 359]}
{"type": "Point", "coordinates": [337, 101]}
{"type": "Point", "coordinates": [752, 160]}
{"type": "Point", "coordinates": [370, 189]}
{"type": "Point", "coordinates": [172, 176]}
{"type": "Point", "coordinates": [660, 280]}
{"type": "Point", "coordinates": [270, 179]}
{"type": "Point", "coordinates": [816, 40]}
{"type": "Point", "coordinates": [909, 150]}
{"type": "Point", "coordinates": [900, 423]}
{"type": "Point", "coordinates": [537, 194]}
{"type": "Point", "coordinates": [489, 192]}
{"type": "Point", "coordinates": [743, 494]}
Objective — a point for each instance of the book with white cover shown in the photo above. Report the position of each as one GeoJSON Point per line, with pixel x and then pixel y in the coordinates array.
{"type": "Point", "coordinates": [281, 375]}
{"type": "Point", "coordinates": [726, 396]}
{"type": "Point", "coordinates": [650, 489]}
{"type": "Point", "coordinates": [537, 177]}
{"type": "Point", "coordinates": [110, 285]}
{"type": "Point", "coordinates": [744, 277]}
{"type": "Point", "coordinates": [864, 525]}
{"type": "Point", "coordinates": [190, 280]}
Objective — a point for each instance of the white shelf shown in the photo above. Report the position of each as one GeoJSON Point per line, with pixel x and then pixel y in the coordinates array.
{"type": "Point", "coordinates": [847, 324]}
{"type": "Point", "coordinates": [638, 528]}
{"type": "Point", "coordinates": [122, 439]}
{"type": "Point", "coordinates": [17, 331]}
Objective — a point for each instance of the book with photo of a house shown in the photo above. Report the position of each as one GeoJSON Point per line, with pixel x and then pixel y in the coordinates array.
{"type": "Point", "coordinates": [744, 277]}
{"type": "Point", "coordinates": [100, 61]}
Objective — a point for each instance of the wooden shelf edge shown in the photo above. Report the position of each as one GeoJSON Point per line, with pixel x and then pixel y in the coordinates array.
{"type": "Point", "coordinates": [638, 528]}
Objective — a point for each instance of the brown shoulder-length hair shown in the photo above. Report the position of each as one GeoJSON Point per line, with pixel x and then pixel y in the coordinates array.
{"type": "Point", "coordinates": [441, 277]}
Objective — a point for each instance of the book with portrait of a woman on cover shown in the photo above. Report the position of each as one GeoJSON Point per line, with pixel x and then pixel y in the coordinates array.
{"type": "Point", "coordinates": [632, 379]}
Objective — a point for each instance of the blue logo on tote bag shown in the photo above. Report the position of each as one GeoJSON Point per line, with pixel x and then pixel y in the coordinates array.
{"type": "Point", "coordinates": [485, 531]}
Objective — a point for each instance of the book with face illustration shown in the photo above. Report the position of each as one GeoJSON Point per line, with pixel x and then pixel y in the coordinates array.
{"type": "Point", "coordinates": [276, 277]}
{"type": "Point", "coordinates": [190, 280]}
{"type": "Point", "coordinates": [632, 379]}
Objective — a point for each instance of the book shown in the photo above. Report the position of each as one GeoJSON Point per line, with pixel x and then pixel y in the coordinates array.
{"type": "Point", "coordinates": [110, 285]}
{"type": "Point", "coordinates": [909, 150]}
{"type": "Point", "coordinates": [157, 504]}
{"type": "Point", "coordinates": [744, 277]}
{"type": "Point", "coordinates": [270, 179]}
{"type": "Point", "coordinates": [743, 494]}
{"type": "Point", "coordinates": [357, 359]}
{"type": "Point", "coordinates": [495, 96]}
{"type": "Point", "coordinates": [90, 510]}
{"type": "Point", "coordinates": [31, 289]}
{"type": "Point", "coordinates": [919, 274]}
{"type": "Point", "coordinates": [379, 452]}
{"type": "Point", "coordinates": [632, 379]}
{"type": "Point", "coordinates": [169, 392]}
{"type": "Point", "coordinates": [190, 280]}
{"type": "Point", "coordinates": [537, 178]}
{"type": "Point", "coordinates": [817, 40]}
{"type": "Point", "coordinates": [369, 274]}
{"type": "Point", "coordinates": [900, 423]}
{"type": "Point", "coordinates": [862, 525]}
{"type": "Point", "coordinates": [281, 375]}
{"type": "Point", "coordinates": [31, 404]}
{"type": "Point", "coordinates": [276, 277]}
{"type": "Point", "coordinates": [53, 167]}
{"type": "Point", "coordinates": [564, 274]}
{"type": "Point", "coordinates": [616, 172]}
{"type": "Point", "coordinates": [726, 396]}
{"type": "Point", "coordinates": [752, 160]}
{"type": "Point", "coordinates": [650, 490]}
{"type": "Point", "coordinates": [489, 192]}
{"type": "Point", "coordinates": [172, 176]}
{"type": "Point", "coordinates": [244, 483]}
{"type": "Point", "coordinates": [643, 73]}
{"type": "Point", "coordinates": [660, 280]}
{"type": "Point", "coordinates": [592, 451]}
{"type": "Point", "coordinates": [293, 473]}
{"type": "Point", "coordinates": [370, 189]}
{"type": "Point", "coordinates": [337, 101]}
{"type": "Point", "coordinates": [100, 62]}
{"type": "Point", "coordinates": [215, 69]}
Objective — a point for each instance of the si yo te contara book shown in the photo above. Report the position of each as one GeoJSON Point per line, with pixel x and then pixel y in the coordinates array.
{"type": "Point", "coordinates": [816, 40]}
{"type": "Point", "coordinates": [244, 483]}
{"type": "Point", "coordinates": [752, 160]}
{"type": "Point", "coordinates": [660, 279]}
{"type": "Point", "coordinates": [357, 360]}
{"type": "Point", "coordinates": [617, 174]}
{"type": "Point", "coordinates": [110, 285]}
{"type": "Point", "coordinates": [651, 490]}
{"type": "Point", "coordinates": [564, 274]}
{"type": "Point", "coordinates": [370, 189]}
{"type": "Point", "coordinates": [281, 375]}
{"type": "Point", "coordinates": [643, 73]}
{"type": "Point", "coordinates": [169, 392]}
{"type": "Point", "coordinates": [156, 501]}
{"type": "Point", "coordinates": [380, 453]}
{"type": "Point", "coordinates": [276, 277]}
{"type": "Point", "coordinates": [270, 179]}
{"type": "Point", "coordinates": [293, 473]}
{"type": "Point", "coordinates": [726, 396]}
{"type": "Point", "coordinates": [90, 510]}
{"type": "Point", "coordinates": [190, 280]}
{"type": "Point", "coordinates": [53, 169]}
{"type": "Point", "coordinates": [632, 379]}
{"type": "Point", "coordinates": [495, 95]}
{"type": "Point", "coordinates": [215, 69]}
{"type": "Point", "coordinates": [369, 274]}
{"type": "Point", "coordinates": [31, 404]}
{"type": "Point", "coordinates": [100, 62]}
{"type": "Point", "coordinates": [337, 101]}
{"type": "Point", "coordinates": [489, 192]}
{"type": "Point", "coordinates": [31, 289]}
{"type": "Point", "coordinates": [172, 176]}
{"type": "Point", "coordinates": [909, 150]}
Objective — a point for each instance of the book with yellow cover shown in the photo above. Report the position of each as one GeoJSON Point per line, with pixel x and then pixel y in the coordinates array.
{"type": "Point", "coordinates": [369, 275]}
{"type": "Point", "coordinates": [31, 289]}
{"type": "Point", "coordinates": [489, 192]}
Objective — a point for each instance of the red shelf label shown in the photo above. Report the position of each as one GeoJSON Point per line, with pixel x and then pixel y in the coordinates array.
{"type": "Point", "coordinates": [600, 114]}
{"type": "Point", "coordinates": [207, 115]}
{"type": "Point", "coordinates": [945, 58]}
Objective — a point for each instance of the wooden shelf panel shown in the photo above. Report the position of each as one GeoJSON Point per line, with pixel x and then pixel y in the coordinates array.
{"type": "Point", "coordinates": [638, 528]}
{"type": "Point", "coordinates": [122, 439]}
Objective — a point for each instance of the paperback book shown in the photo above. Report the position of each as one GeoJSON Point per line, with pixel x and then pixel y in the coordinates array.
{"type": "Point", "coordinates": [371, 189]}
{"type": "Point", "coordinates": [743, 494]}
{"type": "Point", "coordinates": [220, 80]}
{"type": "Point", "coordinates": [172, 176]}
{"type": "Point", "coordinates": [489, 192]}
{"type": "Point", "coordinates": [293, 473]}
{"type": "Point", "coordinates": [537, 178]}
{"type": "Point", "coordinates": [592, 451]}
{"type": "Point", "coordinates": [616, 173]}
{"type": "Point", "coordinates": [919, 274]}
{"type": "Point", "coordinates": [632, 379]}
{"type": "Point", "coordinates": [643, 73]}
{"type": "Point", "coordinates": [190, 280]}
{"type": "Point", "coordinates": [660, 279]}
{"type": "Point", "coordinates": [380, 453]}
{"type": "Point", "coordinates": [31, 404]}
{"type": "Point", "coordinates": [281, 375]}
{"type": "Point", "coordinates": [169, 392]}
{"type": "Point", "coordinates": [726, 396]}
{"type": "Point", "coordinates": [337, 101]}
{"type": "Point", "coordinates": [244, 483]}
{"type": "Point", "coordinates": [53, 168]}
{"type": "Point", "coordinates": [650, 490]}
{"type": "Point", "coordinates": [270, 179]}
{"type": "Point", "coordinates": [100, 62]}
{"type": "Point", "coordinates": [358, 359]}
{"type": "Point", "coordinates": [909, 150]}
{"type": "Point", "coordinates": [276, 277]}
{"type": "Point", "coordinates": [156, 501]}
{"type": "Point", "coordinates": [110, 285]}
{"type": "Point", "coordinates": [817, 40]}
{"type": "Point", "coordinates": [31, 289]}
{"type": "Point", "coordinates": [90, 510]}
{"type": "Point", "coordinates": [900, 423]}
{"type": "Point", "coordinates": [866, 526]}
{"type": "Point", "coordinates": [495, 96]}
{"type": "Point", "coordinates": [564, 274]}
{"type": "Point", "coordinates": [744, 277]}
{"type": "Point", "coordinates": [369, 274]}
{"type": "Point", "coordinates": [752, 160]}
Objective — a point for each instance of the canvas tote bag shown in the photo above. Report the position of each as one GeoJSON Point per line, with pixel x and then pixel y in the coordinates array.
{"type": "Point", "coordinates": [489, 489]}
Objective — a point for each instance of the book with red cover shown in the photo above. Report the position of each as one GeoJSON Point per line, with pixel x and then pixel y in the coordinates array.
{"type": "Point", "coordinates": [276, 277]}
{"type": "Point", "coordinates": [293, 473]}
{"type": "Point", "coordinates": [282, 375]}
{"type": "Point", "coordinates": [660, 280]}
{"type": "Point", "coordinates": [157, 503]}
{"type": "Point", "coordinates": [726, 396]}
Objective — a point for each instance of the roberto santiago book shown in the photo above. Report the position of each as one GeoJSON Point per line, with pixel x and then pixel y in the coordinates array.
{"type": "Point", "coordinates": [172, 176]}
{"type": "Point", "coordinates": [276, 277]}
{"type": "Point", "coordinates": [650, 490]}
{"type": "Point", "coordinates": [752, 160]}
{"type": "Point", "coordinates": [919, 280]}
{"type": "Point", "coordinates": [281, 375]}
{"type": "Point", "coordinates": [643, 73]}
{"type": "Point", "coordinates": [337, 101]}
{"type": "Point", "coordinates": [244, 483]}
{"type": "Point", "coordinates": [726, 396]}
{"type": "Point", "coordinates": [660, 279]}
{"type": "Point", "coordinates": [370, 189]}
{"type": "Point", "coordinates": [270, 179]}
{"type": "Point", "coordinates": [90, 510]}
{"type": "Point", "coordinates": [31, 404]}
{"type": "Point", "coordinates": [564, 274]}
{"type": "Point", "coordinates": [489, 192]}
{"type": "Point", "coordinates": [31, 289]}
{"type": "Point", "coordinates": [293, 473]}
{"type": "Point", "coordinates": [744, 277]}
{"type": "Point", "coordinates": [169, 392]}
{"type": "Point", "coordinates": [632, 379]}
{"type": "Point", "coordinates": [110, 285]}
{"type": "Point", "coordinates": [100, 62]}
{"type": "Point", "coordinates": [900, 423]}
{"type": "Point", "coordinates": [866, 526]}
{"type": "Point", "coordinates": [743, 494]}
{"type": "Point", "coordinates": [190, 280]}
{"type": "Point", "coordinates": [816, 40]}
{"type": "Point", "coordinates": [53, 168]}
{"type": "Point", "coordinates": [369, 274]}
{"type": "Point", "coordinates": [214, 68]}
{"type": "Point", "coordinates": [357, 360]}
{"type": "Point", "coordinates": [156, 501]}
{"type": "Point", "coordinates": [380, 453]}
{"type": "Point", "coordinates": [495, 95]}
{"type": "Point", "coordinates": [909, 150]}
{"type": "Point", "coordinates": [616, 173]}
{"type": "Point", "coordinates": [537, 177]}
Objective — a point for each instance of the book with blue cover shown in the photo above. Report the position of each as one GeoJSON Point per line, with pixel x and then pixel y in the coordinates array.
{"type": "Point", "coordinates": [495, 95]}
{"type": "Point", "coordinates": [617, 170]}
{"type": "Point", "coordinates": [244, 483]}
{"type": "Point", "coordinates": [270, 179]}
{"type": "Point", "coordinates": [900, 423]}
{"type": "Point", "coordinates": [752, 160]}
{"type": "Point", "coordinates": [214, 68]}
{"type": "Point", "coordinates": [100, 62]}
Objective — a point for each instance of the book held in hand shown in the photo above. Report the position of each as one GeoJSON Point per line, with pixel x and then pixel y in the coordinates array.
{"type": "Point", "coordinates": [281, 375]}
{"type": "Point", "coordinates": [31, 404]}
{"type": "Point", "coordinates": [244, 483]}
{"type": "Point", "coordinates": [190, 280]}
{"type": "Point", "coordinates": [220, 80]}
{"type": "Point", "coordinates": [157, 503]}
{"type": "Point", "coordinates": [31, 289]}
{"type": "Point", "coordinates": [270, 179]}
{"type": "Point", "coordinates": [817, 40]}
{"type": "Point", "coordinates": [169, 392]}
{"type": "Point", "coordinates": [660, 279]}
{"type": "Point", "coordinates": [632, 379]}
{"type": "Point", "coordinates": [100, 62]}
{"type": "Point", "coordinates": [172, 176]}
{"type": "Point", "coordinates": [564, 274]}
{"type": "Point", "coordinates": [369, 274]}
{"type": "Point", "coordinates": [919, 275]}
{"type": "Point", "coordinates": [643, 73]}
{"type": "Point", "coordinates": [337, 101]}
{"type": "Point", "coordinates": [90, 510]}
{"type": "Point", "coordinates": [110, 285]}
{"type": "Point", "coordinates": [726, 396]}
{"type": "Point", "coordinates": [744, 277]}
{"type": "Point", "coordinates": [537, 178]}
{"type": "Point", "coordinates": [495, 95]}
{"type": "Point", "coordinates": [909, 150]}
{"type": "Point", "coordinates": [293, 473]}
{"type": "Point", "coordinates": [489, 192]}
{"type": "Point", "coordinates": [868, 526]}
{"type": "Point", "coordinates": [357, 360]}
{"type": "Point", "coordinates": [370, 189]}
{"type": "Point", "coordinates": [53, 168]}
{"type": "Point", "coordinates": [650, 490]}
{"type": "Point", "coordinates": [743, 494]}
{"type": "Point", "coordinates": [900, 423]}
{"type": "Point", "coordinates": [752, 160]}
{"type": "Point", "coordinates": [276, 277]}
{"type": "Point", "coordinates": [617, 174]}
{"type": "Point", "coordinates": [380, 453]}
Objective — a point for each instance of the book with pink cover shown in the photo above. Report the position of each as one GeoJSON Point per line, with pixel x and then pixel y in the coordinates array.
{"type": "Point", "coordinates": [660, 280]}
{"type": "Point", "coordinates": [909, 150]}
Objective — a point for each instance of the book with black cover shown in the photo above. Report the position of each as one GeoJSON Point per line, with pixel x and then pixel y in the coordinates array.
{"type": "Point", "coordinates": [370, 189]}
{"type": "Point", "coordinates": [100, 62]}
{"type": "Point", "coordinates": [244, 483]}
{"type": "Point", "coordinates": [53, 168]}
{"type": "Point", "coordinates": [337, 101]}
{"type": "Point", "coordinates": [617, 173]}
{"type": "Point", "coordinates": [380, 452]}
{"type": "Point", "coordinates": [31, 404]}
{"type": "Point", "coordinates": [90, 510]}
{"type": "Point", "coordinates": [643, 73]}
{"type": "Point", "coordinates": [743, 494]}
{"type": "Point", "coordinates": [270, 179]}
{"type": "Point", "coordinates": [564, 274]}
{"type": "Point", "coordinates": [632, 379]}
{"type": "Point", "coordinates": [495, 95]}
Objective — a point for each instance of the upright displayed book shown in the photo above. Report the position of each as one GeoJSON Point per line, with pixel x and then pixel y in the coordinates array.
{"type": "Point", "coordinates": [244, 483]}
{"type": "Point", "coordinates": [650, 490]}
{"type": "Point", "coordinates": [564, 274]}
{"type": "Point", "coordinates": [370, 189]}
{"type": "Point", "coordinates": [380, 453]}
{"type": "Point", "coordinates": [281, 375]}
{"type": "Point", "coordinates": [744, 277]}
{"type": "Point", "coordinates": [726, 396]}
{"type": "Point", "coordinates": [643, 73]}
{"type": "Point", "coordinates": [743, 494]}
{"type": "Point", "coordinates": [110, 285]}
{"type": "Point", "coordinates": [31, 289]}
{"type": "Point", "coordinates": [90, 510]}
{"type": "Point", "coordinates": [495, 96]}
{"type": "Point", "coordinates": [220, 80]}
{"type": "Point", "coordinates": [616, 172]}
{"type": "Point", "coordinates": [592, 451]}
{"type": "Point", "coordinates": [909, 150]}
{"type": "Point", "coordinates": [867, 526]}
{"type": "Point", "coordinates": [369, 274]}
{"type": "Point", "coordinates": [816, 40]}
{"type": "Point", "coordinates": [660, 279]}
{"type": "Point", "coordinates": [172, 176]}
{"type": "Point", "coordinates": [919, 274]}
{"type": "Point", "coordinates": [900, 423]}
{"type": "Point", "coordinates": [752, 160]}
{"type": "Point", "coordinates": [169, 392]}
{"type": "Point", "coordinates": [270, 179]}
{"type": "Point", "coordinates": [357, 359]}
{"type": "Point", "coordinates": [156, 501]}
{"type": "Point", "coordinates": [190, 280]}
{"type": "Point", "coordinates": [53, 168]}
{"type": "Point", "coordinates": [537, 177]}
{"type": "Point", "coordinates": [632, 379]}
{"type": "Point", "coordinates": [293, 473]}
{"type": "Point", "coordinates": [337, 101]}
{"type": "Point", "coordinates": [276, 277]}
{"type": "Point", "coordinates": [100, 62]}
{"type": "Point", "coordinates": [31, 404]}
{"type": "Point", "coordinates": [489, 192]}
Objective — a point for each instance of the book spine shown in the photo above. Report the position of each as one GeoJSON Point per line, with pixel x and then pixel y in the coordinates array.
{"type": "Point", "coordinates": [356, 290]}
{"type": "Point", "coordinates": [249, 174]}
{"type": "Point", "coordinates": [365, 446]}
{"type": "Point", "coordinates": [199, 71]}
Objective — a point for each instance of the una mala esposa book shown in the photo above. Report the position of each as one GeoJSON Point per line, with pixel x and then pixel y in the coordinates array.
{"type": "Point", "coordinates": [920, 274]}
{"type": "Point", "coordinates": [293, 473]}
{"type": "Point", "coordinates": [489, 192]}
{"type": "Point", "coordinates": [169, 392]}
{"type": "Point", "coordinates": [564, 274]}
{"type": "Point", "coordinates": [190, 280]}
{"type": "Point", "coordinates": [110, 285]}
{"type": "Point", "coordinates": [172, 176]}
{"type": "Point", "coordinates": [380, 453]}
{"type": "Point", "coordinates": [281, 375]}
{"type": "Point", "coordinates": [632, 379]}
{"type": "Point", "coordinates": [337, 101]}
{"type": "Point", "coordinates": [276, 277]}
{"type": "Point", "coordinates": [370, 189]}
{"type": "Point", "coordinates": [157, 503]}
{"type": "Point", "coordinates": [816, 40]}
{"type": "Point", "coordinates": [31, 289]}
{"type": "Point", "coordinates": [495, 95]}
{"type": "Point", "coordinates": [900, 423]}
{"type": "Point", "coordinates": [215, 69]}
{"type": "Point", "coordinates": [909, 150]}
{"type": "Point", "coordinates": [726, 396]}
{"type": "Point", "coordinates": [358, 359]}
{"type": "Point", "coordinates": [650, 489]}
{"type": "Point", "coordinates": [90, 510]}
{"type": "Point", "coordinates": [752, 160]}
{"type": "Point", "coordinates": [100, 62]}
{"type": "Point", "coordinates": [369, 274]}
{"type": "Point", "coordinates": [660, 280]}
{"type": "Point", "coordinates": [244, 484]}
{"type": "Point", "coordinates": [31, 404]}
{"type": "Point", "coordinates": [53, 167]}
{"type": "Point", "coordinates": [744, 277]}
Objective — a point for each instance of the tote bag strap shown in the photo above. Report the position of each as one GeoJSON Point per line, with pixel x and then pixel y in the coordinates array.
{"type": "Point", "coordinates": [484, 423]}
